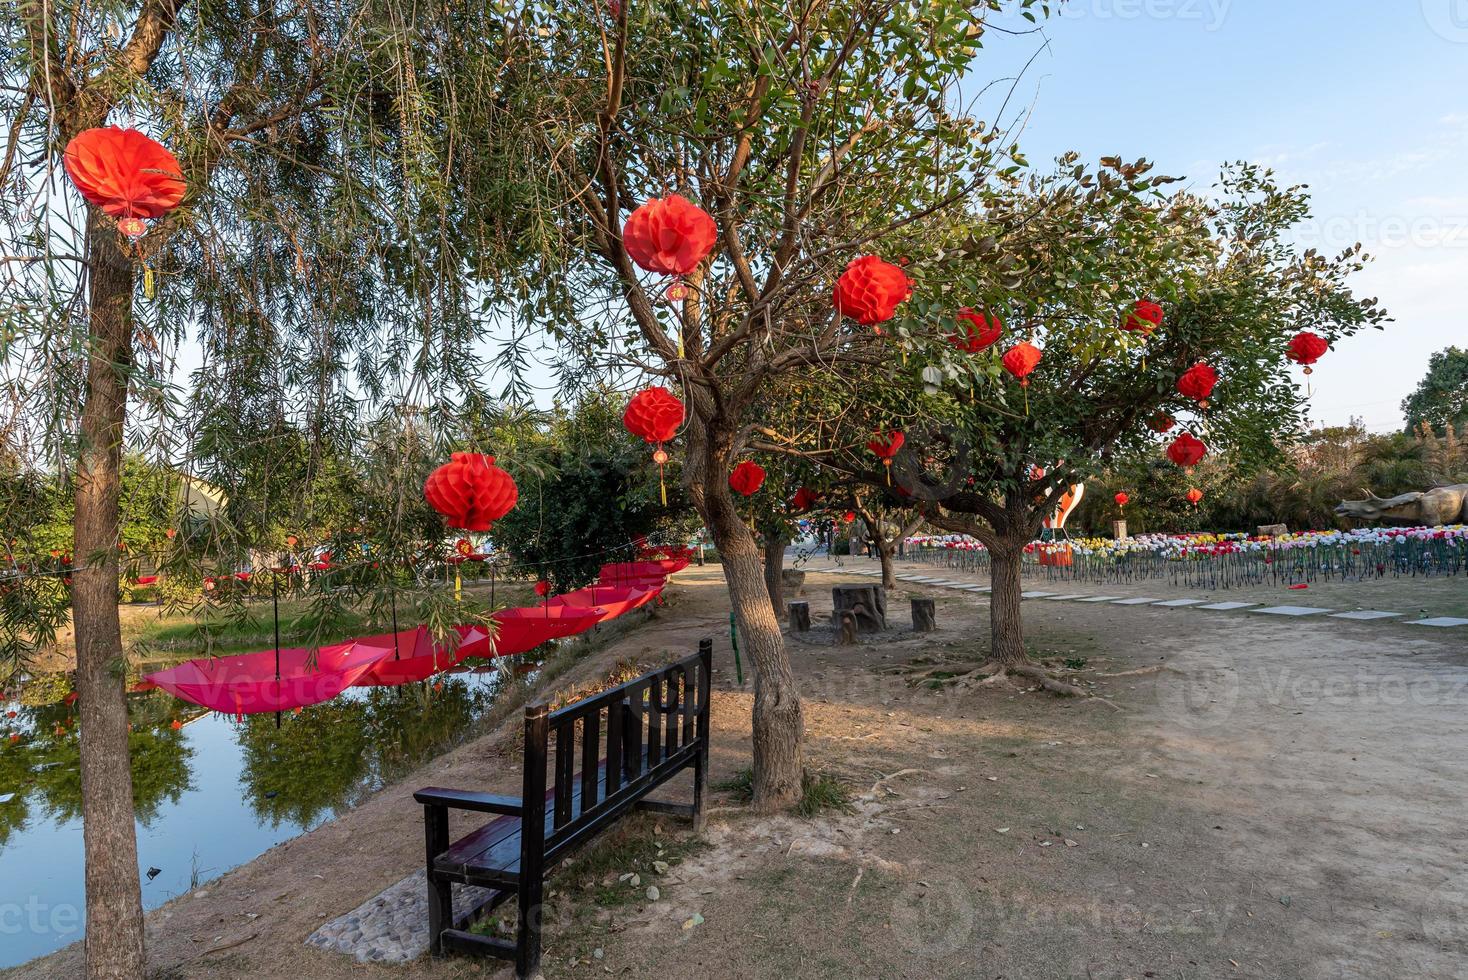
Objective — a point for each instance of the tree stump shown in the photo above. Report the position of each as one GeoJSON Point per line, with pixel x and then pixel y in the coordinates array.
{"type": "Point", "coordinates": [800, 617]}
{"type": "Point", "coordinates": [867, 603]}
{"type": "Point", "coordinates": [1273, 530]}
{"type": "Point", "coordinates": [1118, 530]}
{"type": "Point", "coordinates": [924, 619]}
{"type": "Point", "coordinates": [794, 580]}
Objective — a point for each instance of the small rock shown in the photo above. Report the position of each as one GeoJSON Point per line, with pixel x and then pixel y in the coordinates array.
{"type": "Point", "coordinates": [1072, 843]}
{"type": "Point", "coordinates": [696, 920]}
{"type": "Point", "coordinates": [661, 867]}
{"type": "Point", "coordinates": [652, 893]}
{"type": "Point", "coordinates": [597, 953]}
{"type": "Point", "coordinates": [1001, 830]}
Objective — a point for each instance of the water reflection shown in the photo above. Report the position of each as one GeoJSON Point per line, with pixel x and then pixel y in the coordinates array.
{"type": "Point", "coordinates": [212, 791]}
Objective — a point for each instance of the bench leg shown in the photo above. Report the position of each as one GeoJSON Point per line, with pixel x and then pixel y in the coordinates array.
{"type": "Point", "coordinates": [440, 893]}
{"type": "Point", "coordinates": [527, 932]}
{"type": "Point", "coordinates": [700, 785]}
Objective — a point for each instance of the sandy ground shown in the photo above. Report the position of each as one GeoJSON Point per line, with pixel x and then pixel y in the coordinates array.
{"type": "Point", "coordinates": [1273, 798]}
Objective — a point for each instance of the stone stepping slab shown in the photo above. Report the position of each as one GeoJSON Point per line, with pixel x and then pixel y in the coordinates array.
{"type": "Point", "coordinates": [1292, 611]}
{"type": "Point", "coordinates": [1364, 614]}
{"type": "Point", "coordinates": [1229, 605]}
{"type": "Point", "coordinates": [1036, 595]}
{"type": "Point", "coordinates": [1100, 598]}
{"type": "Point", "coordinates": [1442, 621]}
{"type": "Point", "coordinates": [1137, 602]}
{"type": "Point", "coordinates": [393, 926]}
{"type": "Point", "coordinates": [1179, 602]}
{"type": "Point", "coordinates": [1063, 598]}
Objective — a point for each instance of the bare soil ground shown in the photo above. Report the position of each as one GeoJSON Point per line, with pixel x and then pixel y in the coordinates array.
{"type": "Point", "coordinates": [1254, 798]}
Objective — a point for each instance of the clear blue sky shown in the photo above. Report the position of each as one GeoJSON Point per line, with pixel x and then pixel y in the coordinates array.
{"type": "Point", "coordinates": [1366, 101]}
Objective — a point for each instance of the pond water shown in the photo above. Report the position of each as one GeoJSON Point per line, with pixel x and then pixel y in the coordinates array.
{"type": "Point", "coordinates": [211, 791]}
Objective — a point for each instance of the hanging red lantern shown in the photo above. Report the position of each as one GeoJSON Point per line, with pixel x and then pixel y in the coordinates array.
{"type": "Point", "coordinates": [126, 174]}
{"type": "Point", "coordinates": [1194, 495]}
{"type": "Point", "coordinates": [654, 415]}
{"type": "Point", "coordinates": [1161, 423]}
{"type": "Point", "coordinates": [542, 588]}
{"type": "Point", "coordinates": [1187, 451]}
{"type": "Point", "coordinates": [471, 492]}
{"type": "Point", "coordinates": [1022, 359]}
{"type": "Point", "coordinates": [1122, 499]}
{"type": "Point", "coordinates": [463, 547]}
{"type": "Point", "coordinates": [669, 235]}
{"type": "Point", "coordinates": [805, 498]}
{"type": "Point", "coordinates": [848, 517]}
{"type": "Point", "coordinates": [291, 540]}
{"type": "Point", "coordinates": [1306, 348]}
{"type": "Point", "coordinates": [1197, 383]}
{"type": "Point", "coordinates": [886, 449]}
{"type": "Point", "coordinates": [976, 331]}
{"type": "Point", "coordinates": [1144, 317]}
{"type": "Point", "coordinates": [170, 533]}
{"type": "Point", "coordinates": [870, 290]}
{"type": "Point", "coordinates": [747, 477]}
{"type": "Point", "coordinates": [175, 724]}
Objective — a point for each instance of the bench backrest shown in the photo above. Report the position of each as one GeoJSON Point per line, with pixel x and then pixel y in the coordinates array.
{"type": "Point", "coordinates": [602, 753]}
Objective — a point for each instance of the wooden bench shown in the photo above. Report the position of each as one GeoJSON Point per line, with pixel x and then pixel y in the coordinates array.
{"type": "Point", "coordinates": [604, 755]}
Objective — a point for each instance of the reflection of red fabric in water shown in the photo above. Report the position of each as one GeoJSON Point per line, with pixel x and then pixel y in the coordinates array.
{"type": "Point", "coordinates": [247, 684]}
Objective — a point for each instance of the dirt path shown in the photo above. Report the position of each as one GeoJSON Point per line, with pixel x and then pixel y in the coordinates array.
{"type": "Point", "coordinates": [1273, 799]}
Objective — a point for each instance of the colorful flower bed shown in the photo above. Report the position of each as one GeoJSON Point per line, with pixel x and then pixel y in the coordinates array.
{"type": "Point", "coordinates": [1225, 560]}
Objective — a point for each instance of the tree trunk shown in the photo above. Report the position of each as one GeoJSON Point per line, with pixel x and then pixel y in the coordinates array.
{"type": "Point", "coordinates": [1006, 627]}
{"type": "Point", "coordinates": [774, 565]}
{"type": "Point", "coordinates": [114, 939]}
{"type": "Point", "coordinates": [778, 722]}
{"type": "Point", "coordinates": [884, 552]}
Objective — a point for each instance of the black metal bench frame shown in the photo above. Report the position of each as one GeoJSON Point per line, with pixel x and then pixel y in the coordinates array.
{"type": "Point", "coordinates": [633, 738]}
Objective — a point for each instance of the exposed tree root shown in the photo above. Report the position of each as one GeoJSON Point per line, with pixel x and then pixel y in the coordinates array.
{"type": "Point", "coordinates": [990, 672]}
{"type": "Point", "coordinates": [1154, 669]}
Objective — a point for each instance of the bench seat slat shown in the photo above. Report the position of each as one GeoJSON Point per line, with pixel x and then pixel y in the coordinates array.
{"type": "Point", "coordinates": [492, 853]}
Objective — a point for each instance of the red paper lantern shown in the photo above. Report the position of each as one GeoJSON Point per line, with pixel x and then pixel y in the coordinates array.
{"type": "Point", "coordinates": [1144, 317]}
{"type": "Point", "coordinates": [669, 235]}
{"type": "Point", "coordinates": [1020, 360]}
{"type": "Point", "coordinates": [1161, 423]}
{"type": "Point", "coordinates": [747, 477]}
{"type": "Point", "coordinates": [805, 498]}
{"type": "Point", "coordinates": [654, 414]}
{"type": "Point", "coordinates": [1197, 383]}
{"type": "Point", "coordinates": [870, 290]}
{"type": "Point", "coordinates": [976, 331]}
{"type": "Point", "coordinates": [1306, 348]}
{"type": "Point", "coordinates": [1122, 499]}
{"type": "Point", "coordinates": [886, 449]}
{"type": "Point", "coordinates": [542, 588]}
{"type": "Point", "coordinates": [463, 547]}
{"type": "Point", "coordinates": [1194, 495]}
{"type": "Point", "coordinates": [471, 492]}
{"type": "Point", "coordinates": [126, 174]}
{"type": "Point", "coordinates": [1187, 450]}
{"type": "Point", "coordinates": [848, 517]}
{"type": "Point", "coordinates": [175, 724]}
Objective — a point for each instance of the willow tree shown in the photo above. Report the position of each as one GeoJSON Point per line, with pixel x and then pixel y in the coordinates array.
{"type": "Point", "coordinates": [1061, 259]}
{"type": "Point", "coordinates": [315, 263]}
{"type": "Point", "coordinates": [808, 132]}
